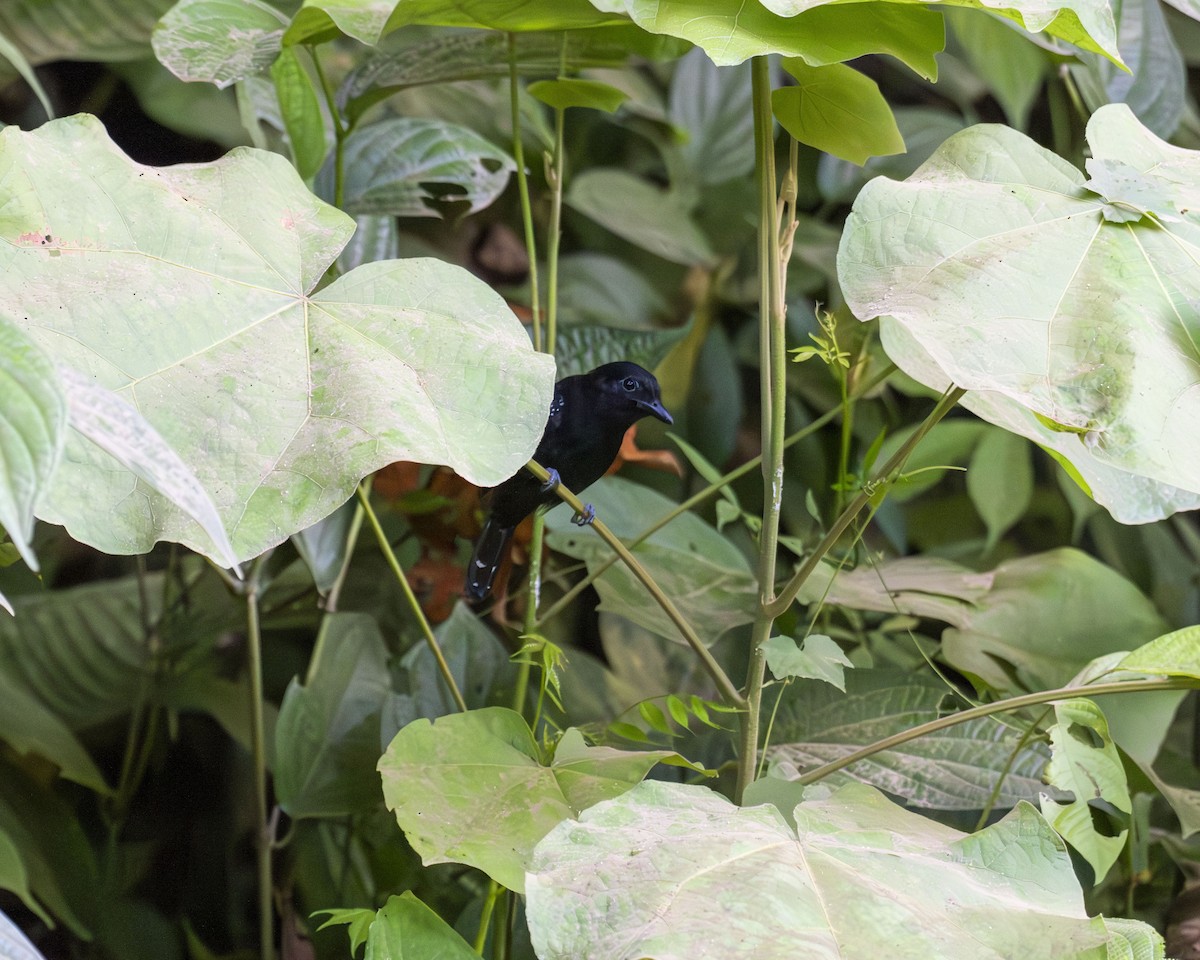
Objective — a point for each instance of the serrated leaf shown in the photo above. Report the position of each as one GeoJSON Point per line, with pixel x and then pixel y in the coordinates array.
{"type": "Point", "coordinates": [969, 766]}
{"type": "Point", "coordinates": [301, 112]}
{"type": "Point", "coordinates": [574, 92]}
{"type": "Point", "coordinates": [218, 41]}
{"type": "Point", "coordinates": [33, 420]}
{"type": "Point", "coordinates": [838, 110]}
{"type": "Point", "coordinates": [471, 788]}
{"type": "Point", "coordinates": [279, 399]}
{"type": "Point", "coordinates": [653, 219]}
{"type": "Point", "coordinates": [1117, 300]}
{"type": "Point", "coordinates": [700, 877]}
{"type": "Point", "coordinates": [391, 166]}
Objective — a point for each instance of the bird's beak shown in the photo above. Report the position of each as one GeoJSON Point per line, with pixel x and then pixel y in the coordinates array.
{"type": "Point", "coordinates": [654, 408]}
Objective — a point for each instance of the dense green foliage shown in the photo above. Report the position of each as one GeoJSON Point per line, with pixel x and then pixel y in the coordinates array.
{"type": "Point", "coordinates": [884, 648]}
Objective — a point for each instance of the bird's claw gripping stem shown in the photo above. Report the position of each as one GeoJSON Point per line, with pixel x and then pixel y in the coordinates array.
{"type": "Point", "coordinates": [552, 481]}
{"type": "Point", "coordinates": [585, 518]}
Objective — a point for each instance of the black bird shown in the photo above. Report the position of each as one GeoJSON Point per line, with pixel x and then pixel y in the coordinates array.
{"type": "Point", "coordinates": [588, 419]}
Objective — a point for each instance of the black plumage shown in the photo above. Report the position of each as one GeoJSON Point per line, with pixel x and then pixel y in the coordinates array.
{"type": "Point", "coordinates": [588, 419]}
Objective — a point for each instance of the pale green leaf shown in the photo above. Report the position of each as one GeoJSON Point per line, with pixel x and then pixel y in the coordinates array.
{"type": "Point", "coordinates": [218, 41]}
{"type": "Point", "coordinates": [573, 92]}
{"type": "Point", "coordinates": [33, 420]}
{"type": "Point", "coordinates": [1000, 481]}
{"type": "Point", "coordinates": [698, 877]}
{"type": "Point", "coordinates": [392, 165]}
{"type": "Point", "coordinates": [109, 421]}
{"type": "Point", "coordinates": [301, 112]}
{"type": "Point", "coordinates": [838, 110]}
{"type": "Point", "coordinates": [1046, 615]}
{"type": "Point", "coordinates": [279, 399]}
{"type": "Point", "coordinates": [13, 943]}
{"type": "Point", "coordinates": [706, 575]}
{"type": "Point", "coordinates": [1104, 344]}
{"type": "Point", "coordinates": [819, 658]}
{"type": "Point", "coordinates": [16, 59]}
{"type": "Point", "coordinates": [1085, 762]}
{"type": "Point", "coordinates": [471, 788]}
{"type": "Point", "coordinates": [656, 220]}
{"type": "Point", "coordinates": [1175, 654]}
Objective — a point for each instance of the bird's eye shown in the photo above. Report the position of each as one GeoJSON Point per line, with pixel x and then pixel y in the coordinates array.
{"type": "Point", "coordinates": [630, 384]}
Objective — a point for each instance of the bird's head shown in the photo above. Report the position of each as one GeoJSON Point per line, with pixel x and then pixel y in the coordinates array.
{"type": "Point", "coordinates": [628, 388]}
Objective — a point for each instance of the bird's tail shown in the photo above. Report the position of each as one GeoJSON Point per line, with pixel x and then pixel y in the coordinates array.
{"type": "Point", "coordinates": [489, 551]}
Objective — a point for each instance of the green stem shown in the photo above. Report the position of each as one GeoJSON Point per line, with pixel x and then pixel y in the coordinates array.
{"type": "Point", "coordinates": [869, 490]}
{"type": "Point", "coordinates": [772, 316]}
{"type": "Point", "coordinates": [724, 684]}
{"type": "Point", "coordinates": [1000, 706]}
{"type": "Point", "coordinates": [521, 689]}
{"type": "Point", "coordinates": [340, 131]}
{"type": "Point", "coordinates": [514, 95]}
{"type": "Point", "coordinates": [1002, 775]}
{"type": "Point", "coordinates": [485, 915]}
{"type": "Point", "coordinates": [258, 740]}
{"type": "Point", "coordinates": [335, 590]}
{"type": "Point", "coordinates": [555, 175]}
{"type": "Point", "coordinates": [390, 555]}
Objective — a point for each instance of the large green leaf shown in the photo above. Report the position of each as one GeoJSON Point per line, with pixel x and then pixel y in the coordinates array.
{"type": "Point", "coordinates": [404, 928]}
{"type": "Point", "coordinates": [674, 872]}
{"type": "Point", "coordinates": [471, 787]}
{"type": "Point", "coordinates": [368, 20]}
{"type": "Point", "coordinates": [712, 107]}
{"type": "Point", "coordinates": [84, 654]}
{"type": "Point", "coordinates": [218, 41]}
{"type": "Point", "coordinates": [327, 735]}
{"type": "Point", "coordinates": [969, 766]}
{"type": "Point", "coordinates": [707, 576]}
{"type": "Point", "coordinates": [391, 165]}
{"type": "Point", "coordinates": [1069, 308]}
{"type": "Point", "coordinates": [731, 31]}
{"type": "Point", "coordinates": [838, 110]}
{"type": "Point", "coordinates": [1032, 623]}
{"type": "Point", "coordinates": [580, 349]}
{"type": "Point", "coordinates": [656, 220]}
{"type": "Point", "coordinates": [103, 30]}
{"type": "Point", "coordinates": [28, 726]}
{"type": "Point", "coordinates": [33, 420]}
{"type": "Point", "coordinates": [188, 290]}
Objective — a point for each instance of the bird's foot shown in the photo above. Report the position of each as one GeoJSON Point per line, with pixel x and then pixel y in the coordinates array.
{"type": "Point", "coordinates": [552, 481]}
{"type": "Point", "coordinates": [585, 518]}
